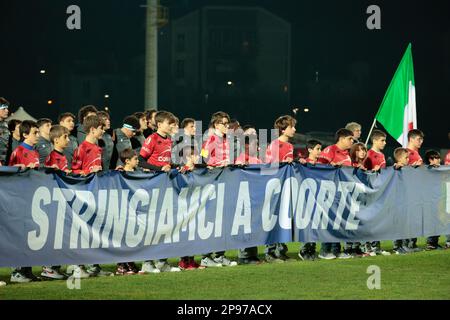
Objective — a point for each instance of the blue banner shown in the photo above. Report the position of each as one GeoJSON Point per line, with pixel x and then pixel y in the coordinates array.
{"type": "Point", "coordinates": [51, 218]}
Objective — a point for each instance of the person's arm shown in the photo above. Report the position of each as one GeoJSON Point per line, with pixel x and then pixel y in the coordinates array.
{"type": "Point", "coordinates": [144, 164]}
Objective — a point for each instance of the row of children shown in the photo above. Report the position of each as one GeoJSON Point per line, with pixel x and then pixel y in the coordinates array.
{"type": "Point", "coordinates": [155, 153]}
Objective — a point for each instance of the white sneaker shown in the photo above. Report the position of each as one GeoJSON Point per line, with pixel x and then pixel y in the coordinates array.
{"type": "Point", "coordinates": [209, 263]}
{"type": "Point", "coordinates": [225, 261]}
{"type": "Point", "coordinates": [327, 256]}
{"type": "Point", "coordinates": [96, 271]}
{"type": "Point", "coordinates": [148, 267]}
{"type": "Point", "coordinates": [80, 273]}
{"type": "Point", "coordinates": [163, 266]}
{"type": "Point", "coordinates": [2, 283]}
{"type": "Point", "coordinates": [17, 277]}
{"type": "Point", "coordinates": [344, 255]}
{"type": "Point", "coordinates": [385, 253]}
{"type": "Point", "coordinates": [51, 273]}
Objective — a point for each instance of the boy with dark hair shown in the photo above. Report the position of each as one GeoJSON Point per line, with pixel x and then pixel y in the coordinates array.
{"type": "Point", "coordinates": [4, 131]}
{"type": "Point", "coordinates": [216, 153]}
{"type": "Point", "coordinates": [375, 161]}
{"type": "Point", "coordinates": [415, 140]}
{"type": "Point", "coordinates": [59, 137]}
{"type": "Point", "coordinates": [280, 150]}
{"type": "Point", "coordinates": [138, 140]}
{"type": "Point", "coordinates": [375, 157]}
{"type": "Point", "coordinates": [308, 250]}
{"type": "Point", "coordinates": [106, 141]}
{"type": "Point", "coordinates": [87, 159]}
{"type": "Point", "coordinates": [25, 156]}
{"type": "Point", "coordinates": [88, 156]}
{"type": "Point", "coordinates": [130, 125]}
{"type": "Point", "coordinates": [156, 154]}
{"type": "Point", "coordinates": [83, 113]}
{"type": "Point", "coordinates": [130, 160]}
{"type": "Point", "coordinates": [67, 120]}
{"type": "Point", "coordinates": [44, 146]}
{"type": "Point", "coordinates": [14, 138]}
{"type": "Point", "coordinates": [188, 125]}
{"type": "Point", "coordinates": [151, 124]}
{"type": "Point", "coordinates": [336, 155]}
{"type": "Point", "coordinates": [433, 159]}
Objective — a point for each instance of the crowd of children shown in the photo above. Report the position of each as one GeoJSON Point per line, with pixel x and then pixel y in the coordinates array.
{"type": "Point", "coordinates": [146, 141]}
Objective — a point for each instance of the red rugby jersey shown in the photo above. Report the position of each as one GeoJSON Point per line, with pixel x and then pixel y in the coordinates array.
{"type": "Point", "coordinates": [57, 158]}
{"type": "Point", "coordinates": [85, 157]}
{"type": "Point", "coordinates": [157, 150]}
{"type": "Point", "coordinates": [447, 159]}
{"type": "Point", "coordinates": [414, 156]}
{"type": "Point", "coordinates": [24, 154]}
{"type": "Point", "coordinates": [374, 159]}
{"type": "Point", "coordinates": [245, 158]}
{"type": "Point", "coordinates": [335, 155]}
{"type": "Point", "coordinates": [279, 151]}
{"type": "Point", "coordinates": [216, 151]}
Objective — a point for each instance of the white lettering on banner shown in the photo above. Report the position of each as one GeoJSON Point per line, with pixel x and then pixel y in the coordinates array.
{"type": "Point", "coordinates": [324, 202]}
{"type": "Point", "coordinates": [205, 230]}
{"type": "Point", "coordinates": [269, 220]}
{"type": "Point", "coordinates": [165, 222]}
{"type": "Point", "coordinates": [62, 196]}
{"type": "Point", "coordinates": [304, 213]}
{"type": "Point", "coordinates": [119, 218]}
{"type": "Point", "coordinates": [133, 237]}
{"type": "Point", "coordinates": [116, 218]}
{"type": "Point", "coordinates": [80, 219]}
{"type": "Point", "coordinates": [151, 217]}
{"type": "Point", "coordinates": [243, 205]}
{"type": "Point", "coordinates": [35, 241]}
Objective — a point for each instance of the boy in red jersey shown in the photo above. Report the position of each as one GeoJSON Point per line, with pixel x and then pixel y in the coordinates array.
{"type": "Point", "coordinates": [156, 154]}
{"type": "Point", "coordinates": [375, 157]}
{"type": "Point", "coordinates": [59, 137]}
{"type": "Point", "coordinates": [415, 140]}
{"type": "Point", "coordinates": [87, 158]}
{"type": "Point", "coordinates": [250, 154]}
{"type": "Point", "coordinates": [376, 161]}
{"type": "Point", "coordinates": [280, 150]}
{"type": "Point", "coordinates": [216, 153]}
{"type": "Point", "coordinates": [25, 156]}
{"type": "Point", "coordinates": [336, 155]}
{"type": "Point", "coordinates": [308, 250]}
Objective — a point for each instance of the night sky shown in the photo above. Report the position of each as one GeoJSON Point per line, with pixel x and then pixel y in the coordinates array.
{"type": "Point", "coordinates": [355, 64]}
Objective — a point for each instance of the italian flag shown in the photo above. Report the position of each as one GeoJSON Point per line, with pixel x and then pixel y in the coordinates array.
{"type": "Point", "coordinates": [397, 112]}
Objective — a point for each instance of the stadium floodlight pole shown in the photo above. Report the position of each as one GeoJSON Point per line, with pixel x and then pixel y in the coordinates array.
{"type": "Point", "coordinates": [151, 55]}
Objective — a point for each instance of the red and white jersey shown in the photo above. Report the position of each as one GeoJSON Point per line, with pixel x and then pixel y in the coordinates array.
{"type": "Point", "coordinates": [86, 157]}
{"type": "Point", "coordinates": [279, 151]}
{"type": "Point", "coordinates": [24, 154]}
{"type": "Point", "coordinates": [447, 159]}
{"type": "Point", "coordinates": [157, 150]}
{"type": "Point", "coordinates": [335, 155]}
{"type": "Point", "coordinates": [216, 151]}
{"type": "Point", "coordinates": [414, 156]}
{"type": "Point", "coordinates": [245, 158]}
{"type": "Point", "coordinates": [57, 158]}
{"type": "Point", "coordinates": [374, 159]}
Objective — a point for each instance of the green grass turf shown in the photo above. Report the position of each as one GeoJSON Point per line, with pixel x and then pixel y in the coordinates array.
{"type": "Point", "coordinates": [423, 275]}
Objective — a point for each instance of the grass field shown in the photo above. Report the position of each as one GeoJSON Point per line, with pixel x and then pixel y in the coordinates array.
{"type": "Point", "coordinates": [423, 275]}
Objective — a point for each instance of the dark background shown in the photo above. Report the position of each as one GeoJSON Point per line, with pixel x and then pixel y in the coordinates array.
{"type": "Point", "coordinates": [355, 64]}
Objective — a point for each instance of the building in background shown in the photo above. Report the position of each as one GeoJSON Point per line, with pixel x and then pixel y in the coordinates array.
{"type": "Point", "coordinates": [236, 59]}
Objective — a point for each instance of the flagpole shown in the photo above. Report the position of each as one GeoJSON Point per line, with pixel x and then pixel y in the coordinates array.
{"type": "Point", "coordinates": [371, 129]}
